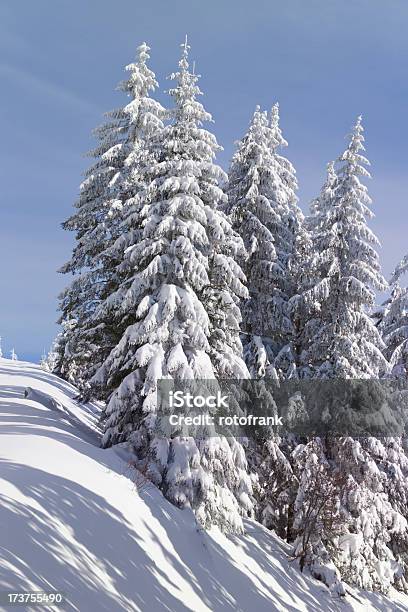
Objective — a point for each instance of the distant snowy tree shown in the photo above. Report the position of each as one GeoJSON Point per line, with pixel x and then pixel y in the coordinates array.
{"type": "Point", "coordinates": [14, 355]}
{"type": "Point", "coordinates": [262, 204]}
{"type": "Point", "coordinates": [59, 359]}
{"type": "Point", "coordinates": [43, 361]}
{"type": "Point", "coordinates": [1, 350]}
{"type": "Point", "coordinates": [110, 183]}
{"type": "Point", "coordinates": [179, 265]}
{"type": "Point", "coordinates": [394, 324]}
{"type": "Point", "coordinates": [54, 361]}
{"type": "Point", "coordinates": [342, 339]}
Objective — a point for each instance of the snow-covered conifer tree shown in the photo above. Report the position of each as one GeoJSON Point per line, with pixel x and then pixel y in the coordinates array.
{"type": "Point", "coordinates": [277, 485]}
{"type": "Point", "coordinates": [348, 522]}
{"type": "Point", "coordinates": [263, 207]}
{"type": "Point", "coordinates": [365, 552]}
{"type": "Point", "coordinates": [305, 311]}
{"type": "Point", "coordinates": [250, 210]}
{"type": "Point", "coordinates": [346, 343]}
{"type": "Point", "coordinates": [163, 300]}
{"type": "Point", "coordinates": [394, 324]}
{"type": "Point", "coordinates": [318, 521]}
{"type": "Point", "coordinates": [110, 183]}
{"type": "Point", "coordinates": [342, 341]}
{"type": "Point", "coordinates": [289, 209]}
{"type": "Point", "coordinates": [262, 203]}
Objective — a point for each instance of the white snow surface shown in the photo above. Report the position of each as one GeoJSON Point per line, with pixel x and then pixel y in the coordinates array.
{"type": "Point", "coordinates": [72, 520]}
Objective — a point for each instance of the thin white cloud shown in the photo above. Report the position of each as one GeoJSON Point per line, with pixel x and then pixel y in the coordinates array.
{"type": "Point", "coordinates": [46, 88]}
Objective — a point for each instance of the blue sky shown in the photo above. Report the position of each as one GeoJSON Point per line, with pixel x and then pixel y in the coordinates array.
{"type": "Point", "coordinates": [325, 61]}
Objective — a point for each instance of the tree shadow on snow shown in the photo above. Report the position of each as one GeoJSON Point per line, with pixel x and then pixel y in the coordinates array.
{"type": "Point", "coordinates": [78, 536]}
{"type": "Point", "coordinates": [22, 418]}
{"type": "Point", "coordinates": [68, 531]}
{"type": "Point", "coordinates": [52, 380]}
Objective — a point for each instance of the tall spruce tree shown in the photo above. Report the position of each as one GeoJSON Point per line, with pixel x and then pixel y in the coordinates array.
{"type": "Point", "coordinates": [262, 204]}
{"type": "Point", "coordinates": [180, 273]}
{"type": "Point", "coordinates": [305, 307]}
{"type": "Point", "coordinates": [345, 343]}
{"type": "Point", "coordinates": [251, 209]}
{"type": "Point", "coordinates": [263, 207]}
{"type": "Point", "coordinates": [110, 183]}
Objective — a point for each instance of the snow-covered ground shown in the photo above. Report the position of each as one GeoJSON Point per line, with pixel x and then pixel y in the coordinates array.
{"type": "Point", "coordinates": [72, 520]}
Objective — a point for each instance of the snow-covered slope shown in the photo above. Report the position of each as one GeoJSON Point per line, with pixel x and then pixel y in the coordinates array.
{"type": "Point", "coordinates": [72, 520]}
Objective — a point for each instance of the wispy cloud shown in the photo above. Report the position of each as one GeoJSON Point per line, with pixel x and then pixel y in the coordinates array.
{"type": "Point", "coordinates": [35, 84]}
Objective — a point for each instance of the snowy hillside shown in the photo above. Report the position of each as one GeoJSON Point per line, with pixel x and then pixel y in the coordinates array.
{"type": "Point", "coordinates": [72, 520]}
